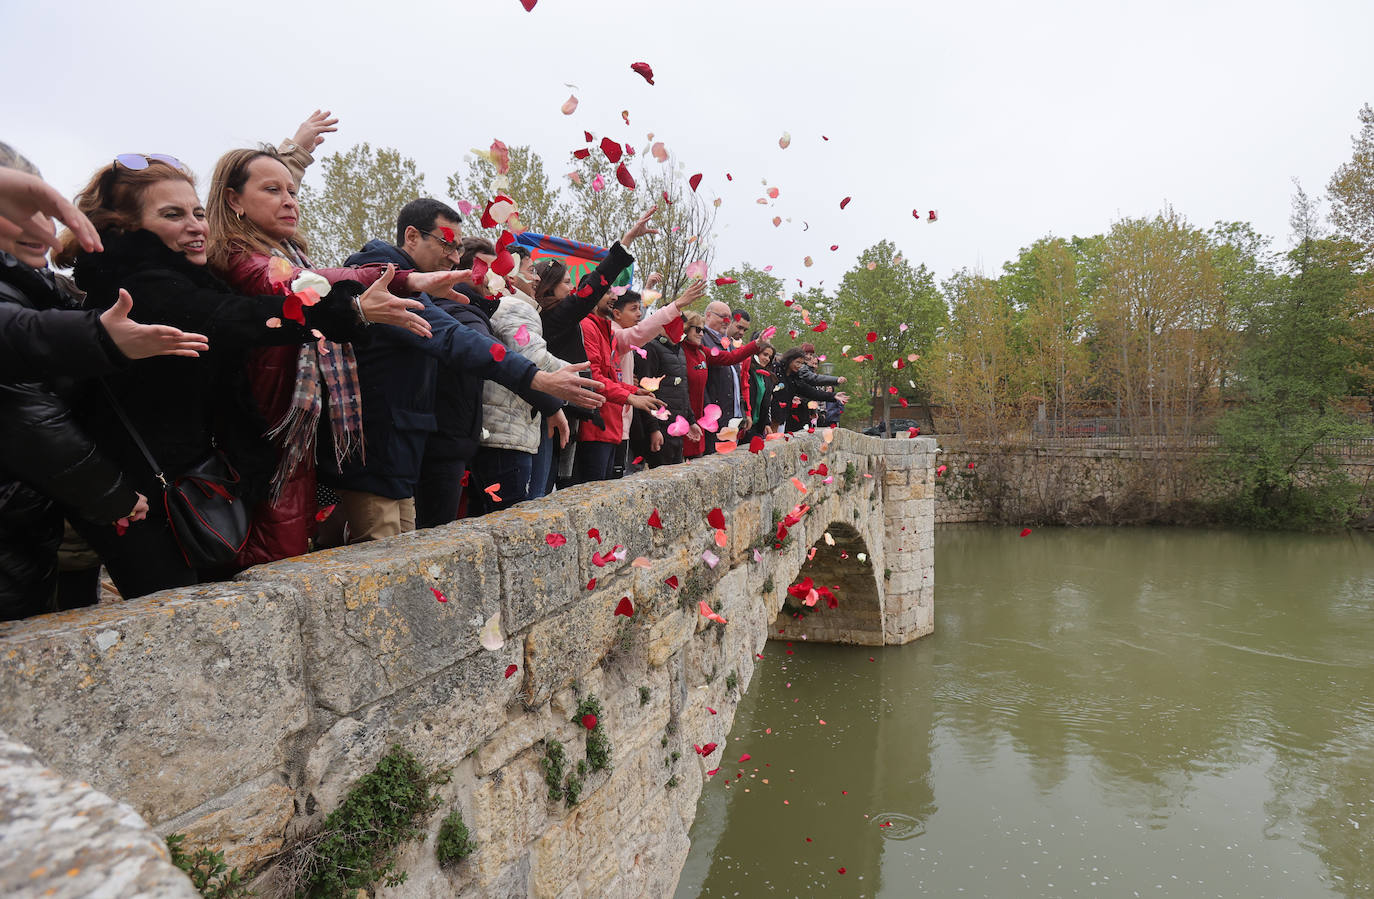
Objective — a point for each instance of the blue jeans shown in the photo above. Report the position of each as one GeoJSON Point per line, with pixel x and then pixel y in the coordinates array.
{"type": "Point", "coordinates": [507, 467]}
{"type": "Point", "coordinates": [594, 461]}
{"type": "Point", "coordinates": [542, 468]}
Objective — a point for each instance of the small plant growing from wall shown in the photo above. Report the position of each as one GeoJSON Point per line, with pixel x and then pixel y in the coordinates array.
{"type": "Point", "coordinates": [851, 474]}
{"type": "Point", "coordinates": [731, 682]}
{"type": "Point", "coordinates": [454, 843]}
{"type": "Point", "coordinates": [598, 744]}
{"type": "Point", "coordinates": [553, 764]}
{"type": "Point", "coordinates": [357, 844]}
{"type": "Point", "coordinates": [643, 696]}
{"type": "Point", "coordinates": [209, 873]}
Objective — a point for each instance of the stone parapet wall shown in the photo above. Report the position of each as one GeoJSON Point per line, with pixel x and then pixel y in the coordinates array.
{"type": "Point", "coordinates": [241, 713]}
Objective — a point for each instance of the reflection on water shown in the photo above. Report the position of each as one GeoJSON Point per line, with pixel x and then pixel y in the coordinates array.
{"type": "Point", "coordinates": [1099, 713]}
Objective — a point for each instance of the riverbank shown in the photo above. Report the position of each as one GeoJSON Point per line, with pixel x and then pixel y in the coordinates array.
{"type": "Point", "coordinates": [1091, 482]}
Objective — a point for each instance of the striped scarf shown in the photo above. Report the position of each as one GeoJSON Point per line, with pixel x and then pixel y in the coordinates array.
{"type": "Point", "coordinates": [336, 364]}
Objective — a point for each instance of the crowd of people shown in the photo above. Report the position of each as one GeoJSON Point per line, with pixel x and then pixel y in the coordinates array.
{"type": "Point", "coordinates": [405, 389]}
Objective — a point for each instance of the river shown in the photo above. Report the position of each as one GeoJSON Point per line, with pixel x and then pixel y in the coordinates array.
{"type": "Point", "coordinates": [1100, 712]}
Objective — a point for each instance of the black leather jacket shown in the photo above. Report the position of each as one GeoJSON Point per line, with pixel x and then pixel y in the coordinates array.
{"type": "Point", "coordinates": [48, 463]}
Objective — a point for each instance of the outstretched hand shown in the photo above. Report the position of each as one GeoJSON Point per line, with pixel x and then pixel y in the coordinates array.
{"type": "Point", "coordinates": [639, 228]}
{"type": "Point", "coordinates": [141, 341]}
{"type": "Point", "coordinates": [27, 202]}
{"type": "Point", "coordinates": [440, 284]}
{"type": "Point", "coordinates": [695, 291]}
{"type": "Point", "coordinates": [380, 306]}
{"type": "Point", "coordinates": [567, 385]}
{"type": "Point", "coordinates": [311, 132]}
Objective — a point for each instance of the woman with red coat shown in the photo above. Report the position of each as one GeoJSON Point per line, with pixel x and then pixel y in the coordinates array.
{"type": "Point", "coordinates": [697, 361]}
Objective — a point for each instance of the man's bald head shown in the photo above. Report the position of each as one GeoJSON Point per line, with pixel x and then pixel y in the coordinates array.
{"type": "Point", "coordinates": [717, 316]}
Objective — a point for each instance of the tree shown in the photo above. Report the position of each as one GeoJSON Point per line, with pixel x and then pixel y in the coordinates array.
{"type": "Point", "coordinates": [1289, 379]}
{"type": "Point", "coordinates": [1351, 189]}
{"type": "Point", "coordinates": [1043, 285]}
{"type": "Point", "coordinates": [976, 357]}
{"type": "Point", "coordinates": [361, 194]}
{"type": "Point", "coordinates": [543, 209]}
{"type": "Point", "coordinates": [897, 303]}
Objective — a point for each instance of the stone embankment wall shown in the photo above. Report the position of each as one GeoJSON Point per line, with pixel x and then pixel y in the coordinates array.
{"type": "Point", "coordinates": [241, 713]}
{"type": "Point", "coordinates": [1090, 485]}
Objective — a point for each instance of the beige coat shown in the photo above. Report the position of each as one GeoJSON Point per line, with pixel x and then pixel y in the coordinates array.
{"type": "Point", "coordinates": [509, 422]}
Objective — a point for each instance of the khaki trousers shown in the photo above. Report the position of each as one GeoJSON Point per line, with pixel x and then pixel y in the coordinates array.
{"type": "Point", "coordinates": [367, 516]}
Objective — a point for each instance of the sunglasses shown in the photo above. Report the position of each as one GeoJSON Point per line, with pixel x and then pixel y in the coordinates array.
{"type": "Point", "coordinates": [137, 162]}
{"type": "Point", "coordinates": [449, 245]}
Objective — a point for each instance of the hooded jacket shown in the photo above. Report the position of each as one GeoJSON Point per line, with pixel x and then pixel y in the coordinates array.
{"type": "Point", "coordinates": [509, 422]}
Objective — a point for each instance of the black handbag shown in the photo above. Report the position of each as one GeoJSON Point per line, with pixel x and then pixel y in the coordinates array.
{"type": "Point", "coordinates": [208, 519]}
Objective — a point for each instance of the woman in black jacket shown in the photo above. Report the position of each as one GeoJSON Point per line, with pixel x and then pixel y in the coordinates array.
{"type": "Point", "coordinates": [153, 228]}
{"type": "Point", "coordinates": [762, 380]}
{"type": "Point", "coordinates": [799, 393]}
{"type": "Point", "coordinates": [663, 359]}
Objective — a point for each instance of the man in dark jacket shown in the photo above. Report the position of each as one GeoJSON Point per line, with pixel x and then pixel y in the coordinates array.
{"type": "Point", "coordinates": [458, 406]}
{"type": "Point", "coordinates": [722, 381]}
{"type": "Point", "coordinates": [397, 371]}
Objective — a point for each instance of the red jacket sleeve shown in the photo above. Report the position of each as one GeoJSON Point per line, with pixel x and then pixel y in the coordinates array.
{"type": "Point", "coordinates": [248, 274]}
{"type": "Point", "coordinates": [602, 358]}
{"type": "Point", "coordinates": [731, 357]}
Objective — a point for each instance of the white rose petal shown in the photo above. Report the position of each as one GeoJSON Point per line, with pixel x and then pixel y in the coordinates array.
{"type": "Point", "coordinates": [315, 282]}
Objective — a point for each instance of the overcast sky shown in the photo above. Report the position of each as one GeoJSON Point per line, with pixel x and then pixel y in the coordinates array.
{"type": "Point", "coordinates": [1013, 119]}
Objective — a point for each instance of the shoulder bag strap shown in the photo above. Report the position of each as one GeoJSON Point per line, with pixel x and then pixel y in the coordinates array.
{"type": "Point", "coordinates": [138, 441]}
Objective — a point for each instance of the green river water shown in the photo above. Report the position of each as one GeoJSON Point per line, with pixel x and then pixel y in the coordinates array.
{"type": "Point", "coordinates": [1100, 712]}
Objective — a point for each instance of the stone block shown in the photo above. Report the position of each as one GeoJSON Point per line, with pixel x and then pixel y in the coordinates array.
{"type": "Point", "coordinates": [165, 701]}
{"type": "Point", "coordinates": [519, 734]}
{"type": "Point", "coordinates": [536, 579]}
{"type": "Point", "coordinates": [372, 622]}
{"type": "Point", "coordinates": [248, 824]}
{"type": "Point", "coordinates": [563, 646]}
{"type": "Point", "coordinates": [668, 636]}
{"type": "Point", "coordinates": [441, 721]}
{"type": "Point", "coordinates": [63, 838]}
{"type": "Point", "coordinates": [510, 811]}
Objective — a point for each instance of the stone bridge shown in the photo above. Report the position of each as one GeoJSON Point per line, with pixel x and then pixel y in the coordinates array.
{"type": "Point", "coordinates": [241, 713]}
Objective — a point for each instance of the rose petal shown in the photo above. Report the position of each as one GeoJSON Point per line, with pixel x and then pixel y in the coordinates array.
{"type": "Point", "coordinates": [694, 181]}
{"type": "Point", "coordinates": [623, 175]}
{"type": "Point", "coordinates": [611, 149]}
{"type": "Point", "coordinates": [555, 539]}
{"type": "Point", "coordinates": [570, 104]}
{"type": "Point", "coordinates": [643, 69]}
{"type": "Point", "coordinates": [845, 202]}
{"type": "Point", "coordinates": [625, 607]}
{"type": "Point", "coordinates": [511, 669]}
{"type": "Point", "coordinates": [654, 520]}
{"type": "Point", "coordinates": [438, 594]}
{"type": "Point", "coordinates": [490, 635]}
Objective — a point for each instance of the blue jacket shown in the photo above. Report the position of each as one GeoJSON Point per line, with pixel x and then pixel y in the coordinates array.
{"type": "Point", "coordinates": [398, 371]}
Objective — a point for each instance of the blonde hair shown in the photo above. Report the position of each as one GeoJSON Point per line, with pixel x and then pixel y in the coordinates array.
{"type": "Point", "coordinates": [693, 319]}
{"type": "Point", "coordinates": [113, 201]}
{"type": "Point", "coordinates": [231, 233]}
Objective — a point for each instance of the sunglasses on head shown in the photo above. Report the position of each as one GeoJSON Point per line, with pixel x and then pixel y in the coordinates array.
{"type": "Point", "coordinates": [137, 162]}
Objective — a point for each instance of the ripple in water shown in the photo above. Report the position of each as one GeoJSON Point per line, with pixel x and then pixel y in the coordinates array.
{"type": "Point", "coordinates": [897, 826]}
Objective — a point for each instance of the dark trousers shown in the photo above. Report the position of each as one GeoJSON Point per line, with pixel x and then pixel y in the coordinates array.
{"type": "Point", "coordinates": [670, 454]}
{"type": "Point", "coordinates": [146, 558]}
{"type": "Point", "coordinates": [439, 492]}
{"type": "Point", "coordinates": [507, 467]}
{"type": "Point", "coordinates": [594, 462]}
{"type": "Point", "coordinates": [541, 468]}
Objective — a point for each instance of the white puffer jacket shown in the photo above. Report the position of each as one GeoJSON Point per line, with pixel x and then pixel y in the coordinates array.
{"type": "Point", "coordinates": [508, 421]}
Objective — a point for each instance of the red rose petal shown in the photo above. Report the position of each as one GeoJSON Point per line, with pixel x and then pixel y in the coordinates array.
{"type": "Point", "coordinates": [716, 519]}
{"type": "Point", "coordinates": [554, 539]}
{"type": "Point", "coordinates": [612, 150]}
{"type": "Point", "coordinates": [845, 202]}
{"type": "Point", "coordinates": [589, 722]}
{"type": "Point", "coordinates": [623, 175]}
{"type": "Point", "coordinates": [722, 281]}
{"type": "Point", "coordinates": [594, 534]}
{"type": "Point", "coordinates": [821, 327]}
{"type": "Point", "coordinates": [711, 710]}
{"type": "Point", "coordinates": [1025, 532]}
{"type": "Point", "coordinates": [756, 445]}
{"type": "Point", "coordinates": [655, 521]}
{"type": "Point", "coordinates": [643, 69]}
{"type": "Point", "coordinates": [672, 582]}
{"type": "Point", "coordinates": [591, 584]}
{"type": "Point", "coordinates": [511, 669]}
{"type": "Point", "coordinates": [438, 595]}
{"type": "Point", "coordinates": [498, 351]}
{"type": "Point", "coordinates": [694, 181]}
{"type": "Point", "coordinates": [581, 153]}
{"type": "Point", "coordinates": [625, 607]}
{"type": "Point", "coordinates": [871, 337]}
{"type": "Point", "coordinates": [528, 4]}
{"type": "Point", "coordinates": [324, 513]}
{"type": "Point", "coordinates": [746, 757]}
